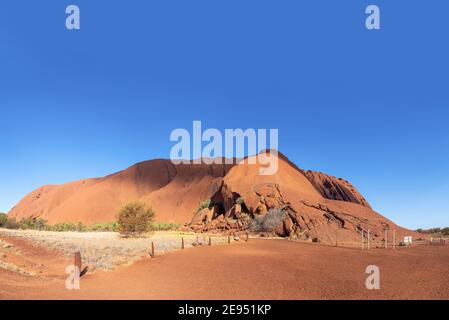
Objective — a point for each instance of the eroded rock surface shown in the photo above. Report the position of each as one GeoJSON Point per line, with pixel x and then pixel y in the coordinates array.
{"type": "Point", "coordinates": [335, 188]}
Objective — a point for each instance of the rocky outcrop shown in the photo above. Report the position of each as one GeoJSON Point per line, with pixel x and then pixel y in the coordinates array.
{"type": "Point", "coordinates": [317, 207]}
{"type": "Point", "coordinates": [317, 222]}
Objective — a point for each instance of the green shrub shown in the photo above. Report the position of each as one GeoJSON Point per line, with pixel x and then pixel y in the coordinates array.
{"type": "Point", "coordinates": [103, 227]}
{"type": "Point", "coordinates": [205, 204]}
{"type": "Point", "coordinates": [240, 200]}
{"type": "Point", "coordinates": [63, 226]}
{"type": "Point", "coordinates": [80, 227]}
{"type": "Point", "coordinates": [12, 224]}
{"type": "Point", "coordinates": [3, 219]}
{"type": "Point", "coordinates": [163, 226]}
{"type": "Point", "coordinates": [26, 223]}
{"type": "Point", "coordinates": [135, 218]}
{"type": "Point", "coordinates": [41, 224]}
{"type": "Point", "coordinates": [33, 224]}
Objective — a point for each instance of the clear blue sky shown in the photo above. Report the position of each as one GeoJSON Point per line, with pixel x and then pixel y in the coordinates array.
{"type": "Point", "coordinates": [369, 106]}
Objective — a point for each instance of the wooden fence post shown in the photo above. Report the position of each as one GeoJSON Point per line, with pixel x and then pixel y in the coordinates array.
{"type": "Point", "coordinates": [152, 250]}
{"type": "Point", "coordinates": [182, 243]}
{"type": "Point", "coordinates": [368, 244]}
{"type": "Point", "coordinates": [79, 264]}
{"type": "Point", "coordinates": [363, 243]}
{"type": "Point", "coordinates": [394, 239]}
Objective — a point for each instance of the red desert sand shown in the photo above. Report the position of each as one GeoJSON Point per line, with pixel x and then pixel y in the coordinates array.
{"type": "Point", "coordinates": [258, 269]}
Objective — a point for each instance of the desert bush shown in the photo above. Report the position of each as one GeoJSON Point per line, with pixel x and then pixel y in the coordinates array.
{"type": "Point", "coordinates": [164, 226]}
{"type": "Point", "coordinates": [40, 224]}
{"type": "Point", "coordinates": [134, 219]}
{"type": "Point", "coordinates": [268, 222]}
{"type": "Point", "coordinates": [33, 224]}
{"type": "Point", "coordinates": [80, 227]}
{"type": "Point", "coordinates": [3, 219]}
{"type": "Point", "coordinates": [240, 200]}
{"type": "Point", "coordinates": [63, 226]}
{"type": "Point", "coordinates": [103, 227]}
{"type": "Point", "coordinates": [24, 224]}
{"type": "Point", "coordinates": [205, 204]}
{"type": "Point", "coordinates": [436, 231]}
{"type": "Point", "coordinates": [11, 224]}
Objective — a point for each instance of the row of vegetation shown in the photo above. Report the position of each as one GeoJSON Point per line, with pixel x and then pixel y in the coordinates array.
{"type": "Point", "coordinates": [133, 219]}
{"type": "Point", "coordinates": [438, 231]}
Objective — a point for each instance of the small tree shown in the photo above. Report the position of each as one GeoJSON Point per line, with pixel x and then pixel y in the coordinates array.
{"type": "Point", "coordinates": [135, 218]}
{"type": "Point", "coordinates": [3, 219]}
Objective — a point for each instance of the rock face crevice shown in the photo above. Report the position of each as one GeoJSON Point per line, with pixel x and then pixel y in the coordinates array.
{"type": "Point", "coordinates": [335, 188]}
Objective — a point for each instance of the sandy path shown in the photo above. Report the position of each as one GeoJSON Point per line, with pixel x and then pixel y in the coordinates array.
{"type": "Point", "coordinates": [263, 269]}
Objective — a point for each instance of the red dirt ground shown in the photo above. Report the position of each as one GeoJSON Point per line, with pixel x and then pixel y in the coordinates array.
{"type": "Point", "coordinates": [259, 269]}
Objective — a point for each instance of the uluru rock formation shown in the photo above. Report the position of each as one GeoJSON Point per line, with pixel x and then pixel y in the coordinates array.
{"type": "Point", "coordinates": [317, 206]}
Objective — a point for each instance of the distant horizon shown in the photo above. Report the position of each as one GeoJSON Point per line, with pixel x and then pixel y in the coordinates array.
{"type": "Point", "coordinates": [370, 106]}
